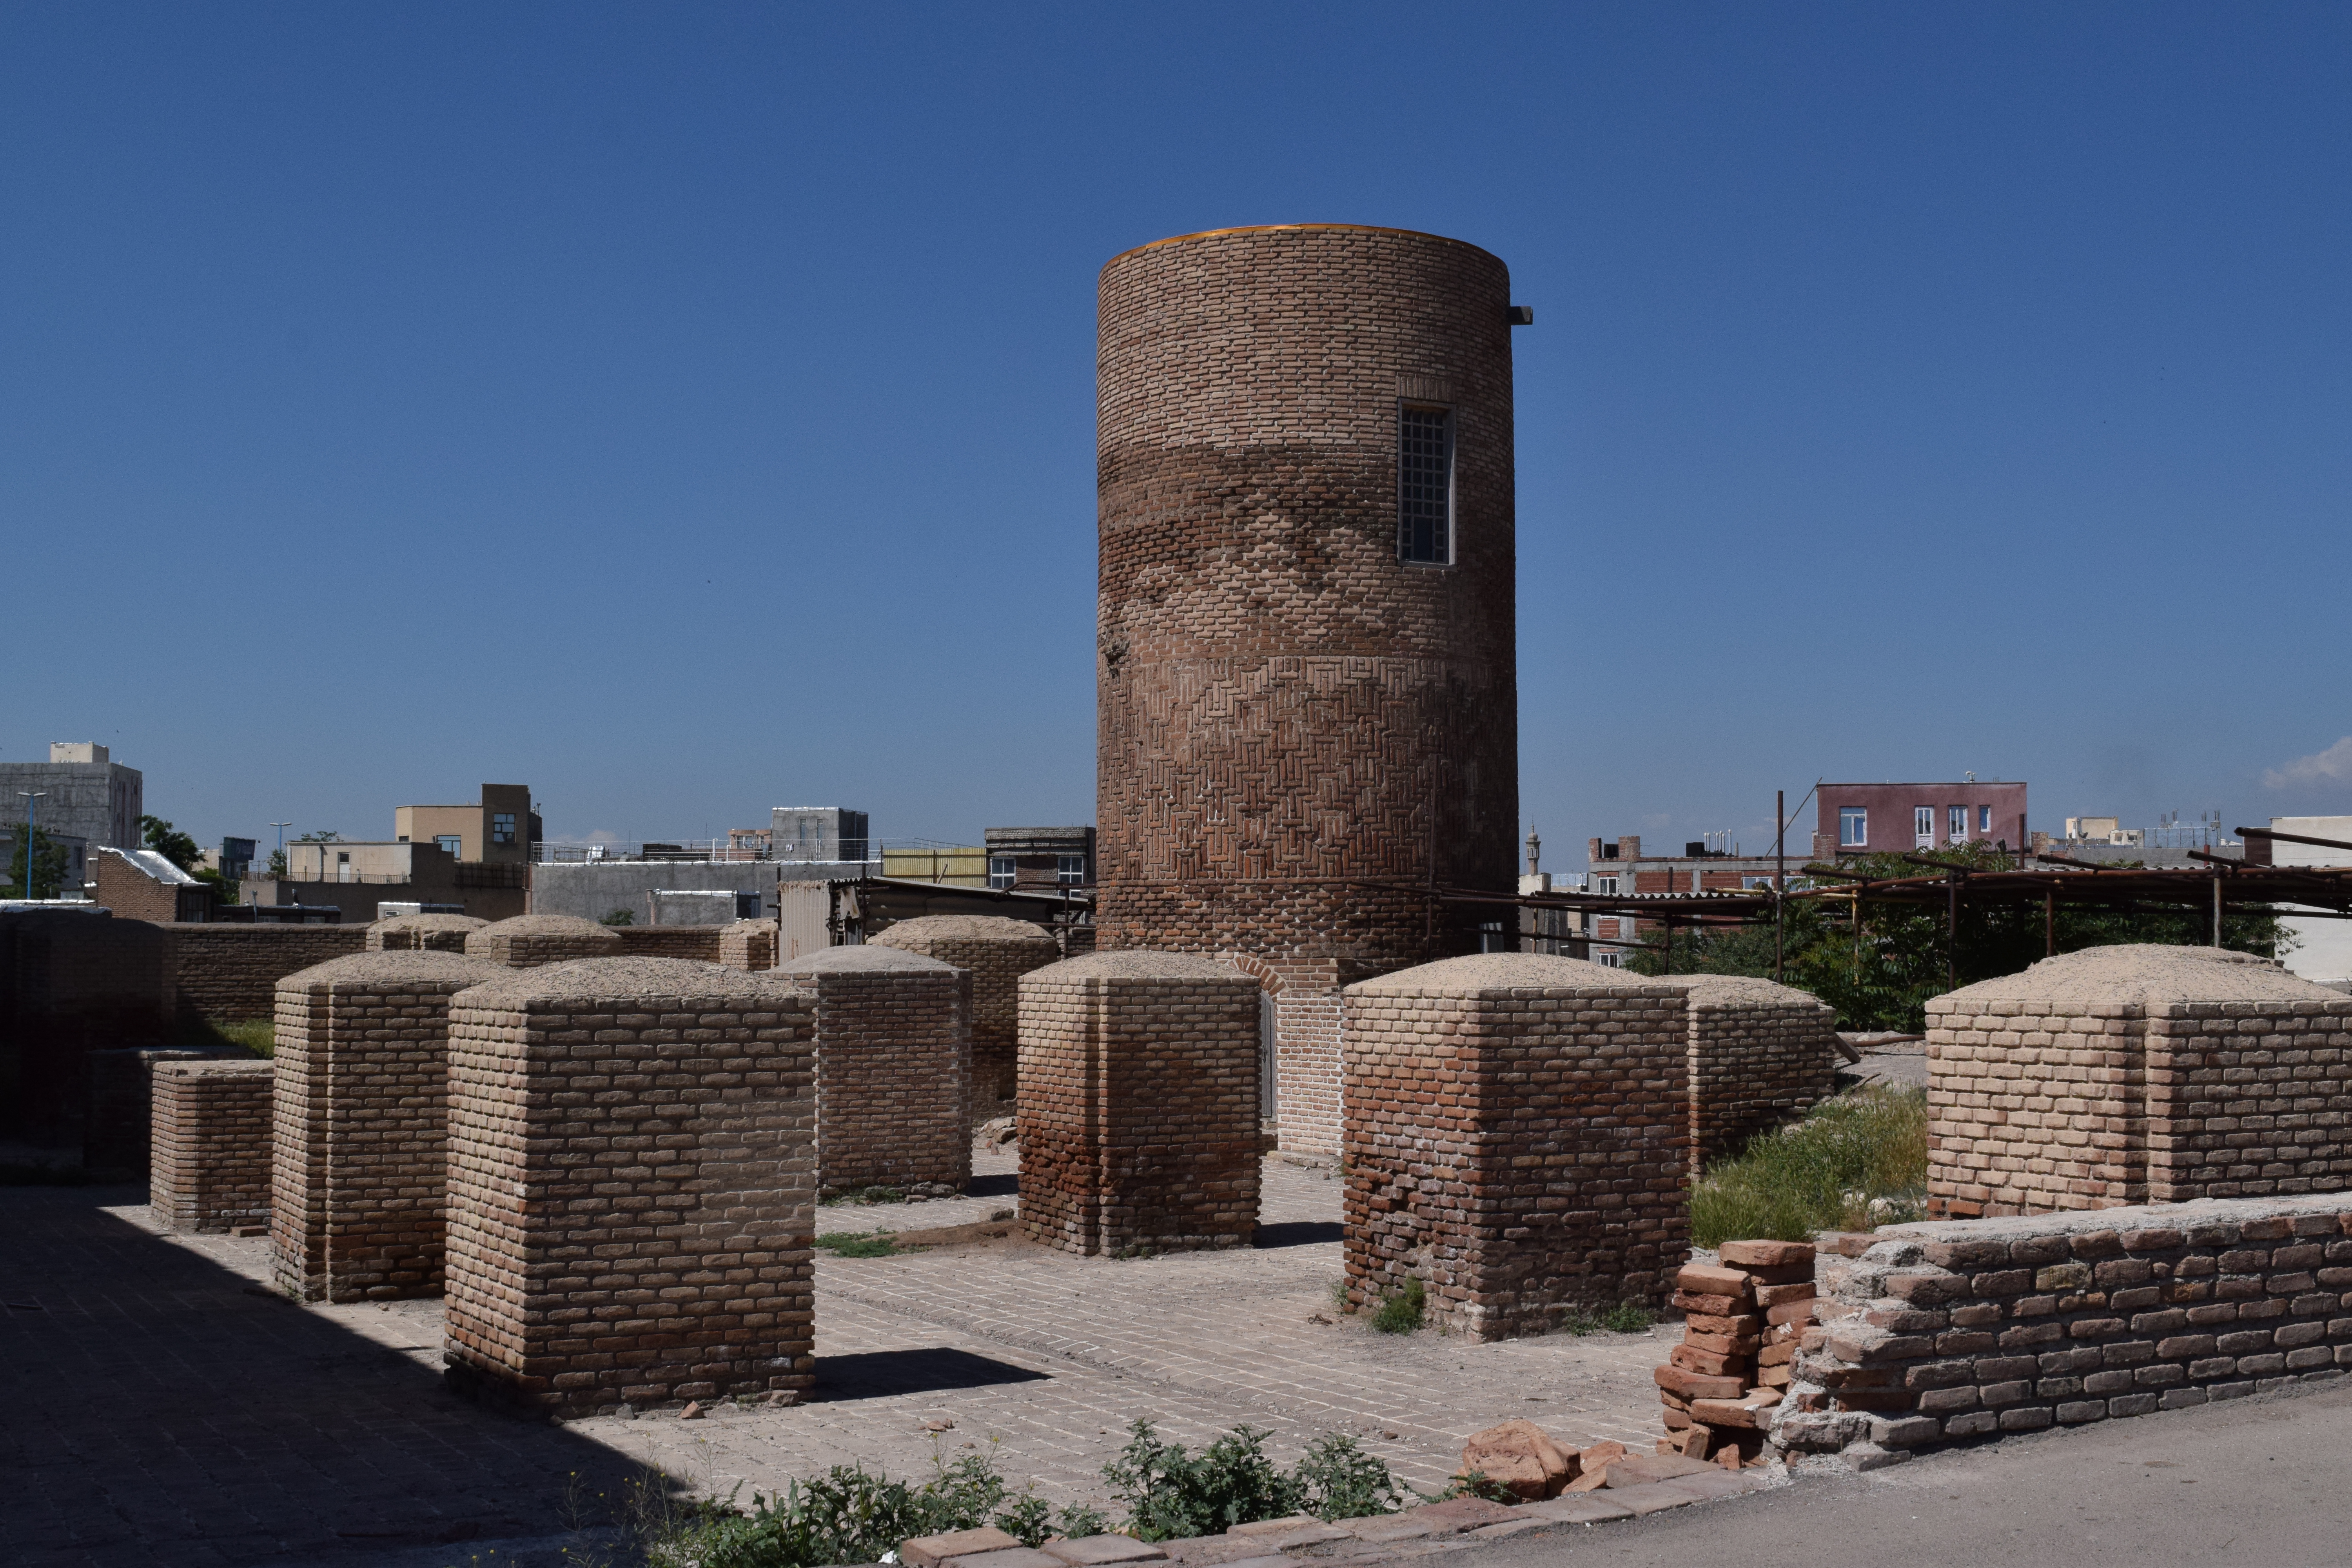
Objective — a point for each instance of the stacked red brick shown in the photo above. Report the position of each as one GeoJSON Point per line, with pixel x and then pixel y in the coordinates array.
{"type": "Point", "coordinates": [2130, 1074]}
{"type": "Point", "coordinates": [893, 1067]}
{"type": "Point", "coordinates": [1517, 1135]}
{"type": "Point", "coordinates": [208, 1166]}
{"type": "Point", "coordinates": [422, 933]}
{"type": "Point", "coordinates": [361, 1138]}
{"type": "Point", "coordinates": [1743, 1321]}
{"type": "Point", "coordinates": [998, 952]}
{"type": "Point", "coordinates": [1760, 1054]}
{"type": "Point", "coordinates": [526, 941]}
{"type": "Point", "coordinates": [631, 1184]}
{"type": "Point", "coordinates": [748, 945]}
{"type": "Point", "coordinates": [1139, 1103]}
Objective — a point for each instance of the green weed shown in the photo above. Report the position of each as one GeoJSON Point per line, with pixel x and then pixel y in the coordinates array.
{"type": "Point", "coordinates": [858, 1244]}
{"type": "Point", "coordinates": [1820, 1173]}
{"type": "Point", "coordinates": [1174, 1495]}
{"type": "Point", "coordinates": [863, 1196]}
{"type": "Point", "coordinates": [1403, 1312]}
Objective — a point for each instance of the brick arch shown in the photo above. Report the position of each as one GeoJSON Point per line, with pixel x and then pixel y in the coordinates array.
{"type": "Point", "coordinates": [1257, 968]}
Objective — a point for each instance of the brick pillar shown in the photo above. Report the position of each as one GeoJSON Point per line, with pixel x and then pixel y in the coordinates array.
{"type": "Point", "coordinates": [998, 952]}
{"type": "Point", "coordinates": [631, 1185]}
{"type": "Point", "coordinates": [1760, 1054]}
{"type": "Point", "coordinates": [526, 941]}
{"type": "Point", "coordinates": [748, 945]}
{"type": "Point", "coordinates": [1517, 1128]}
{"type": "Point", "coordinates": [208, 1168]}
{"type": "Point", "coordinates": [360, 1172]}
{"type": "Point", "coordinates": [893, 1067]}
{"type": "Point", "coordinates": [429, 933]}
{"type": "Point", "coordinates": [1139, 1103]}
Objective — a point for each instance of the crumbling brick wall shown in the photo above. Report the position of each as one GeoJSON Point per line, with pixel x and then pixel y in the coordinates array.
{"type": "Point", "coordinates": [698, 945]}
{"type": "Point", "coordinates": [1517, 1138]}
{"type": "Point", "coordinates": [208, 1168]}
{"type": "Point", "coordinates": [423, 933]}
{"type": "Point", "coordinates": [998, 952]}
{"type": "Point", "coordinates": [230, 973]}
{"type": "Point", "coordinates": [1139, 1103]}
{"type": "Point", "coordinates": [748, 945]}
{"type": "Point", "coordinates": [360, 1157]}
{"type": "Point", "coordinates": [2122, 1075]}
{"type": "Point", "coordinates": [893, 1066]}
{"type": "Point", "coordinates": [1760, 1054]}
{"type": "Point", "coordinates": [1973, 1328]}
{"type": "Point", "coordinates": [631, 1185]}
{"type": "Point", "coordinates": [526, 941]}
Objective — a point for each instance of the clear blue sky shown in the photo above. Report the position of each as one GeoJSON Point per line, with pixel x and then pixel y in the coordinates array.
{"type": "Point", "coordinates": [686, 410]}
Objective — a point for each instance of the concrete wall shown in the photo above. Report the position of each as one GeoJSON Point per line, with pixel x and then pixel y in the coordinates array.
{"type": "Point", "coordinates": [2323, 949]}
{"type": "Point", "coordinates": [592, 889]}
{"type": "Point", "coordinates": [97, 803]}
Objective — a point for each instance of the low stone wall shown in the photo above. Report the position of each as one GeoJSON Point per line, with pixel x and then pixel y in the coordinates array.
{"type": "Point", "coordinates": [208, 1167]}
{"type": "Point", "coordinates": [1760, 1054]}
{"type": "Point", "coordinates": [528, 942]}
{"type": "Point", "coordinates": [698, 944]}
{"type": "Point", "coordinates": [423, 933]}
{"type": "Point", "coordinates": [1517, 1139]}
{"type": "Point", "coordinates": [1964, 1329]}
{"type": "Point", "coordinates": [230, 973]}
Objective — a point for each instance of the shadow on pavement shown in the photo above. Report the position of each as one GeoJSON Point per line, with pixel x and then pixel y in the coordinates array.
{"type": "Point", "coordinates": [1003, 1185]}
{"type": "Point", "coordinates": [1300, 1233]}
{"type": "Point", "coordinates": [874, 1374]}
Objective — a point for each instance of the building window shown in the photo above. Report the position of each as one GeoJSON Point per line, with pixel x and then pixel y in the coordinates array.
{"type": "Point", "coordinates": [342, 866]}
{"type": "Point", "coordinates": [1984, 819]}
{"type": "Point", "coordinates": [1853, 827]}
{"type": "Point", "coordinates": [999, 870]}
{"type": "Point", "coordinates": [502, 827]}
{"type": "Point", "coordinates": [1750, 884]}
{"type": "Point", "coordinates": [1425, 485]}
{"type": "Point", "coordinates": [1956, 818]}
{"type": "Point", "coordinates": [1604, 884]}
{"type": "Point", "coordinates": [1923, 828]}
{"type": "Point", "coordinates": [450, 843]}
{"type": "Point", "coordinates": [1610, 960]}
{"type": "Point", "coordinates": [1070, 870]}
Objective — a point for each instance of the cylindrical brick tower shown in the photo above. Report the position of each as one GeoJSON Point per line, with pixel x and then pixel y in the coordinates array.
{"type": "Point", "coordinates": [1306, 693]}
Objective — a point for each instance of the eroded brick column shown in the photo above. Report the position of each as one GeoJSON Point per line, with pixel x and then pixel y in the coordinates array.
{"type": "Point", "coordinates": [1139, 1103]}
{"type": "Point", "coordinates": [893, 1066]}
{"type": "Point", "coordinates": [360, 1170]}
{"type": "Point", "coordinates": [998, 952]}
{"type": "Point", "coordinates": [1517, 1129]}
{"type": "Point", "coordinates": [748, 945]}
{"type": "Point", "coordinates": [632, 1184]}
{"type": "Point", "coordinates": [208, 1166]}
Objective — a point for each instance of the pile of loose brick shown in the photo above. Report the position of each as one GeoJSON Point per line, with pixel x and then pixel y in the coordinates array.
{"type": "Point", "coordinates": [1745, 1318]}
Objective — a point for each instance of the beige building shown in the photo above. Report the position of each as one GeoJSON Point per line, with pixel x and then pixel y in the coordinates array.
{"type": "Point", "coordinates": [499, 827]}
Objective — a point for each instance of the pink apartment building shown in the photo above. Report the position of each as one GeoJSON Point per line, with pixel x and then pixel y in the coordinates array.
{"type": "Point", "coordinates": [1877, 818]}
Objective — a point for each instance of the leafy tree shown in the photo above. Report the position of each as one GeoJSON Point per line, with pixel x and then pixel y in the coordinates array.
{"type": "Point", "coordinates": [1880, 974]}
{"type": "Point", "coordinates": [48, 864]}
{"type": "Point", "coordinates": [171, 843]}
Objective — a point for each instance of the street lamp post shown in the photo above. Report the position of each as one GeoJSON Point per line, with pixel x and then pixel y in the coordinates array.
{"type": "Point", "coordinates": [30, 811]}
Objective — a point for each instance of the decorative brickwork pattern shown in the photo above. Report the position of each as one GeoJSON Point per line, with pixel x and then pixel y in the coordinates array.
{"type": "Point", "coordinates": [698, 944]}
{"type": "Point", "coordinates": [208, 1168]}
{"type": "Point", "coordinates": [528, 942]}
{"type": "Point", "coordinates": [1760, 1054]}
{"type": "Point", "coordinates": [360, 1168]}
{"type": "Point", "coordinates": [1517, 1137]}
{"type": "Point", "coordinates": [998, 952]}
{"type": "Point", "coordinates": [230, 973]}
{"type": "Point", "coordinates": [422, 933]}
{"type": "Point", "coordinates": [2120, 1074]}
{"type": "Point", "coordinates": [748, 945]}
{"type": "Point", "coordinates": [1970, 1328]}
{"type": "Point", "coordinates": [893, 1066]}
{"type": "Point", "coordinates": [1300, 734]}
{"type": "Point", "coordinates": [72, 982]}
{"type": "Point", "coordinates": [1139, 1103]}
{"type": "Point", "coordinates": [631, 1164]}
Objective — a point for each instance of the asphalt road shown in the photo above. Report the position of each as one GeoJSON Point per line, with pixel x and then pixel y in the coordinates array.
{"type": "Point", "coordinates": [2253, 1482]}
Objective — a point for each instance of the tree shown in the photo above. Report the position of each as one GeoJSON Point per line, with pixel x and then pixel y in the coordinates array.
{"type": "Point", "coordinates": [170, 843]}
{"type": "Point", "coordinates": [48, 864]}
{"type": "Point", "coordinates": [1881, 972]}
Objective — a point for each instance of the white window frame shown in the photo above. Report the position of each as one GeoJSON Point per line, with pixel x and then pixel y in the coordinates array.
{"type": "Point", "coordinates": [1984, 819]}
{"type": "Point", "coordinates": [1955, 822]}
{"type": "Point", "coordinates": [1923, 828]}
{"type": "Point", "coordinates": [1853, 827]}
{"type": "Point", "coordinates": [450, 843]}
{"type": "Point", "coordinates": [1003, 871]}
{"type": "Point", "coordinates": [1070, 870]}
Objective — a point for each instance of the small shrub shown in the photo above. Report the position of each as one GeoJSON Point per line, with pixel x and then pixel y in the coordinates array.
{"type": "Point", "coordinates": [1825, 1173]}
{"type": "Point", "coordinates": [1627, 1318]}
{"type": "Point", "coordinates": [1403, 1312]}
{"type": "Point", "coordinates": [858, 1244]}
{"type": "Point", "coordinates": [1473, 1484]}
{"type": "Point", "coordinates": [1339, 1295]}
{"type": "Point", "coordinates": [1337, 1480]}
{"type": "Point", "coordinates": [1171, 1495]}
{"type": "Point", "coordinates": [617, 918]}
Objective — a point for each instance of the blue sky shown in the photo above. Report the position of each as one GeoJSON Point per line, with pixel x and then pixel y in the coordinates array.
{"type": "Point", "coordinates": [687, 410]}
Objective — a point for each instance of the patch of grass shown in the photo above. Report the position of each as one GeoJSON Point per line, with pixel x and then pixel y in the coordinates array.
{"type": "Point", "coordinates": [1624, 1318]}
{"type": "Point", "coordinates": [1403, 1312]}
{"type": "Point", "coordinates": [858, 1244]}
{"type": "Point", "coordinates": [258, 1036]}
{"type": "Point", "coordinates": [1824, 1173]}
{"type": "Point", "coordinates": [1339, 1295]}
{"type": "Point", "coordinates": [862, 1195]}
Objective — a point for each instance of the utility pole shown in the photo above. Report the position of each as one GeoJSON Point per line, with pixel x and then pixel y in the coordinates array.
{"type": "Point", "coordinates": [1780, 874]}
{"type": "Point", "coordinates": [1952, 932]}
{"type": "Point", "coordinates": [30, 811]}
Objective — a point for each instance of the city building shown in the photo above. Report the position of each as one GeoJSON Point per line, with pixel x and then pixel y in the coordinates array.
{"type": "Point", "coordinates": [1041, 860]}
{"type": "Point", "coordinates": [84, 796]}
{"type": "Point", "coordinates": [141, 884]}
{"type": "Point", "coordinates": [830, 833]}
{"type": "Point", "coordinates": [2322, 947]}
{"type": "Point", "coordinates": [1618, 866]}
{"type": "Point", "coordinates": [359, 876]}
{"type": "Point", "coordinates": [498, 829]}
{"type": "Point", "coordinates": [1905, 818]}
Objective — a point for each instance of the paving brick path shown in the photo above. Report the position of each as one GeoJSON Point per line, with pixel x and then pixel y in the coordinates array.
{"type": "Point", "coordinates": [159, 1412]}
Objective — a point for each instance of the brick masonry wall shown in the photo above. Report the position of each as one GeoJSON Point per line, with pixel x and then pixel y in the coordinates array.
{"type": "Point", "coordinates": [130, 892]}
{"type": "Point", "coordinates": [208, 1168]}
{"type": "Point", "coordinates": [748, 945]}
{"type": "Point", "coordinates": [360, 1131]}
{"type": "Point", "coordinates": [73, 983]}
{"type": "Point", "coordinates": [1969, 1329]}
{"type": "Point", "coordinates": [230, 973]}
{"type": "Point", "coordinates": [631, 1185]}
{"type": "Point", "coordinates": [529, 941]}
{"type": "Point", "coordinates": [998, 952]}
{"type": "Point", "coordinates": [1760, 1054]}
{"type": "Point", "coordinates": [1298, 733]}
{"type": "Point", "coordinates": [118, 1133]}
{"type": "Point", "coordinates": [2041, 1106]}
{"type": "Point", "coordinates": [1138, 1104]}
{"type": "Point", "coordinates": [1517, 1138]}
{"type": "Point", "coordinates": [422, 933]}
{"type": "Point", "coordinates": [893, 1067]}
{"type": "Point", "coordinates": [696, 944]}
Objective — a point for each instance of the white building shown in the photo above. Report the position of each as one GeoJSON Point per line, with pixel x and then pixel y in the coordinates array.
{"type": "Point", "coordinates": [2322, 947]}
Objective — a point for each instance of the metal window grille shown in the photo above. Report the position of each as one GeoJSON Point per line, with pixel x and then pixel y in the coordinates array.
{"type": "Point", "coordinates": [1425, 485]}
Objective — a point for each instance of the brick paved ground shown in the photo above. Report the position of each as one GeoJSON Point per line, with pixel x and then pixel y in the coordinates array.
{"type": "Point", "coordinates": [160, 1413]}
